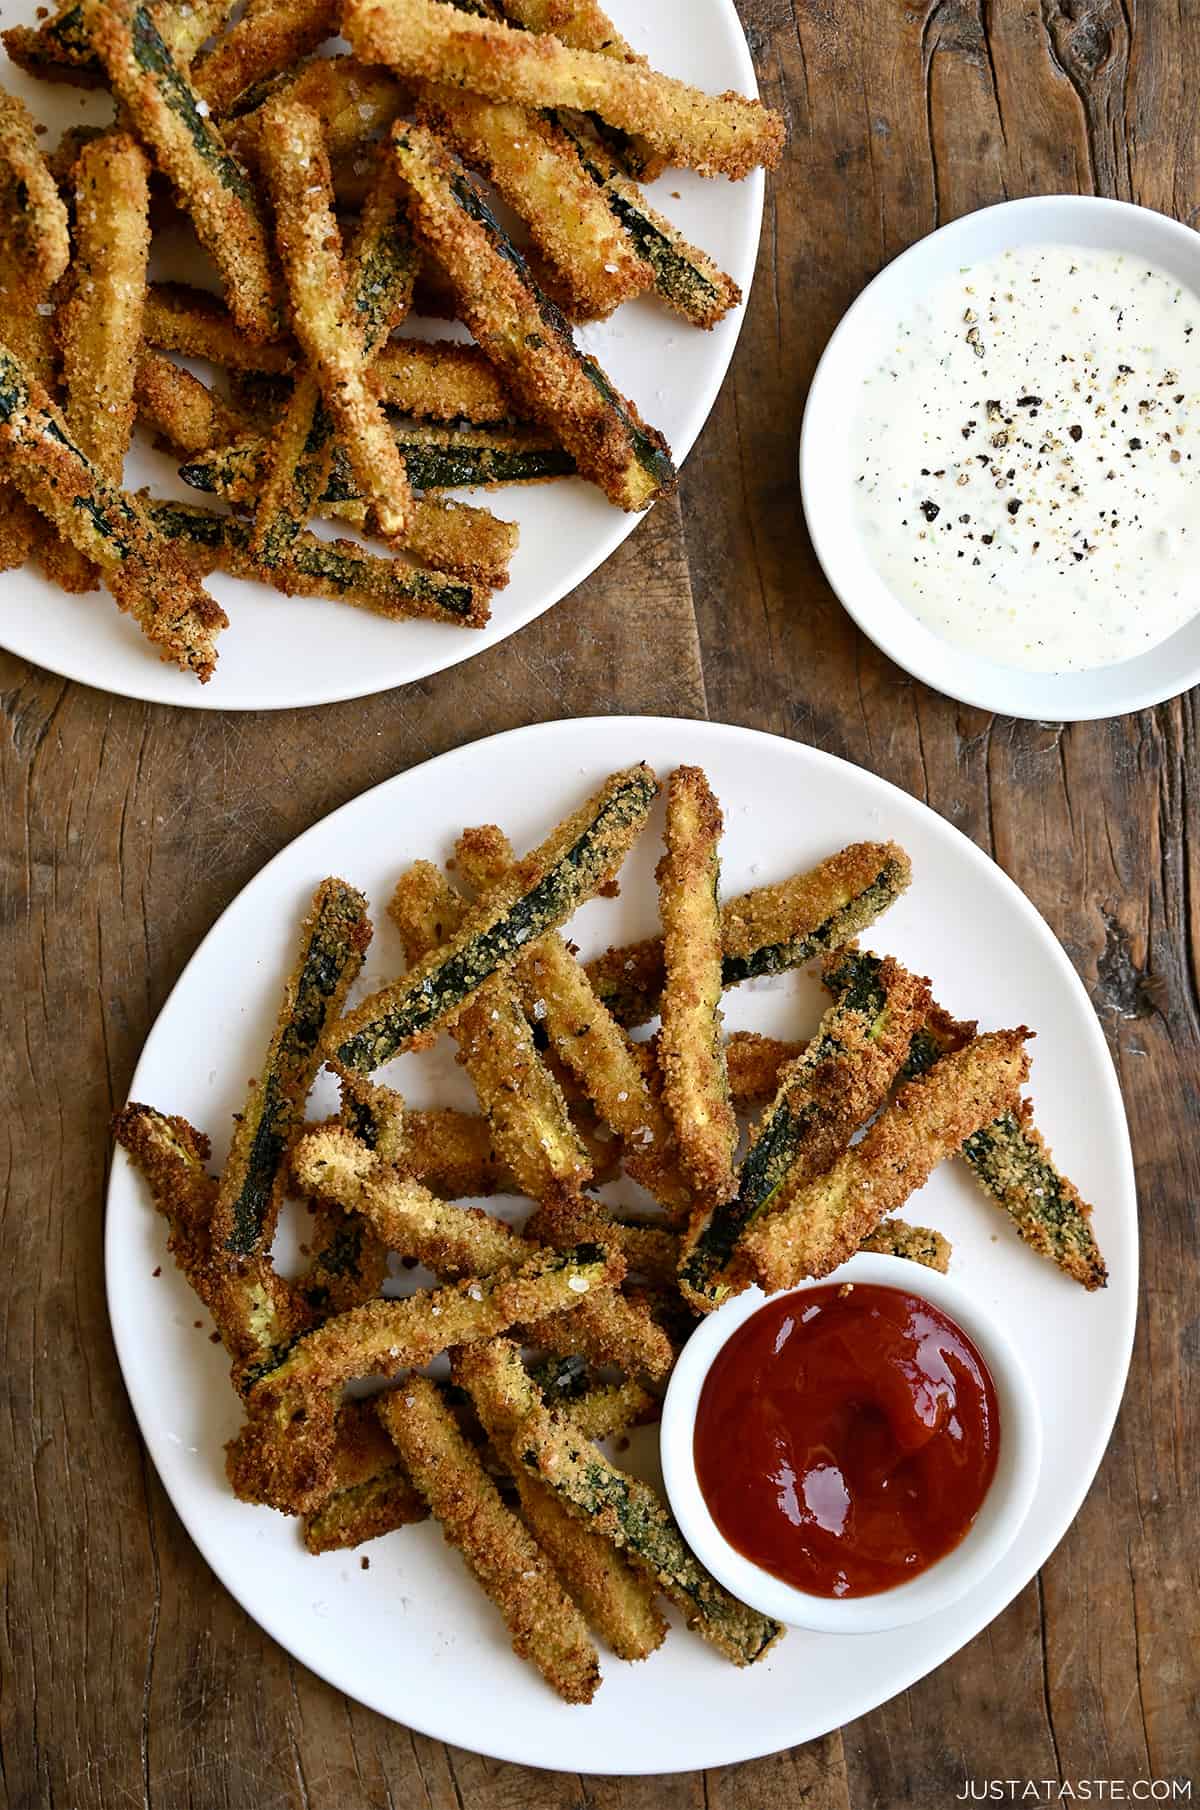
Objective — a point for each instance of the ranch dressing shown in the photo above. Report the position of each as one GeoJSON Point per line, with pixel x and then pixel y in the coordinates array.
{"type": "Point", "coordinates": [1026, 458]}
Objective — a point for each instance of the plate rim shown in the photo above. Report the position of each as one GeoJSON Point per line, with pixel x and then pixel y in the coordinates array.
{"type": "Point", "coordinates": [466, 645]}
{"type": "Point", "coordinates": [1067, 1505]}
{"type": "Point", "coordinates": [966, 688]}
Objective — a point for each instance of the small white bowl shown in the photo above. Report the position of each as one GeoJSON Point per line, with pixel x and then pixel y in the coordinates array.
{"type": "Point", "coordinates": [826, 479]}
{"type": "Point", "coordinates": [996, 1526]}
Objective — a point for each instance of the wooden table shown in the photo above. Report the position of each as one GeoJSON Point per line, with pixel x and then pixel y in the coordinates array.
{"type": "Point", "coordinates": [130, 1676]}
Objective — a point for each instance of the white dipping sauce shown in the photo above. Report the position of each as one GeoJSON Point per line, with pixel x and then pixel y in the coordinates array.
{"type": "Point", "coordinates": [1023, 458]}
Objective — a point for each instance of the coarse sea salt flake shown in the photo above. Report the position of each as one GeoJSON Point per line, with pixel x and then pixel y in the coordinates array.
{"type": "Point", "coordinates": [578, 1284]}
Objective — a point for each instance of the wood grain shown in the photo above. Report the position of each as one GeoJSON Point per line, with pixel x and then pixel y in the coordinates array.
{"type": "Point", "coordinates": [129, 1676]}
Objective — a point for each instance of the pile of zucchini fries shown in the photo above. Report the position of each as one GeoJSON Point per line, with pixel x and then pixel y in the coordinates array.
{"type": "Point", "coordinates": [560, 1334]}
{"type": "Point", "coordinates": [336, 196]}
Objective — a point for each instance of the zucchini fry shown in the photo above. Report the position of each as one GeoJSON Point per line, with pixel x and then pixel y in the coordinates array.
{"type": "Point", "coordinates": [34, 216]}
{"type": "Point", "coordinates": [189, 416]}
{"type": "Point", "coordinates": [282, 1455]}
{"type": "Point", "coordinates": [1010, 1161]}
{"type": "Point", "coordinates": [615, 1600]}
{"type": "Point", "coordinates": [22, 530]}
{"type": "Point", "coordinates": [921, 1244]}
{"type": "Point", "coordinates": [826, 1218]}
{"type": "Point", "coordinates": [325, 311]}
{"type": "Point", "coordinates": [379, 286]}
{"type": "Point", "coordinates": [173, 120]}
{"type": "Point", "coordinates": [607, 1410]}
{"type": "Point", "coordinates": [347, 1261]}
{"type": "Point", "coordinates": [339, 569]}
{"type": "Point", "coordinates": [333, 941]}
{"type": "Point", "coordinates": [59, 50]}
{"type": "Point", "coordinates": [145, 576]}
{"type": "Point", "coordinates": [625, 1511]}
{"type": "Point", "coordinates": [649, 1249]}
{"type": "Point", "coordinates": [524, 1105]}
{"type": "Point", "coordinates": [580, 856]}
{"type": "Point", "coordinates": [533, 165]}
{"type": "Point", "coordinates": [270, 35]}
{"type": "Point", "coordinates": [437, 458]}
{"type": "Point", "coordinates": [717, 135]}
{"type": "Point", "coordinates": [524, 334]}
{"type": "Point", "coordinates": [831, 1089]}
{"type": "Point", "coordinates": [557, 995]}
{"type": "Point", "coordinates": [254, 1309]}
{"type": "Point", "coordinates": [691, 1054]}
{"type": "Point", "coordinates": [684, 277]}
{"type": "Point", "coordinates": [769, 930]}
{"type": "Point", "coordinates": [450, 1240]}
{"type": "Point", "coordinates": [179, 318]}
{"type": "Point", "coordinates": [100, 325]}
{"type": "Point", "coordinates": [613, 1330]}
{"type": "Point", "coordinates": [502, 1555]}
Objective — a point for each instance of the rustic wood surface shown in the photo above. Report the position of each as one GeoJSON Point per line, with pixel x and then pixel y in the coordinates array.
{"type": "Point", "coordinates": [129, 1676]}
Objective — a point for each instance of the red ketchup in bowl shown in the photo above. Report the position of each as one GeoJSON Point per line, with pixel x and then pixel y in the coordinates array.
{"type": "Point", "coordinates": [846, 1437]}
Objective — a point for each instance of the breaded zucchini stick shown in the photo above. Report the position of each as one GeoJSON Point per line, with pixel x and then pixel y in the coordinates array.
{"type": "Point", "coordinates": [35, 218]}
{"type": "Point", "coordinates": [364, 1511]}
{"type": "Point", "coordinates": [440, 380]}
{"type": "Point", "coordinates": [180, 318]}
{"type": "Point", "coordinates": [523, 1102]}
{"type": "Point", "coordinates": [379, 285]}
{"type": "Point", "coordinates": [338, 569]}
{"type": "Point", "coordinates": [616, 1601]}
{"type": "Point", "coordinates": [270, 35]}
{"type": "Point", "coordinates": [100, 325]}
{"type": "Point", "coordinates": [523, 333]}
{"type": "Point", "coordinates": [650, 1250]}
{"type": "Point", "coordinates": [831, 1089]}
{"type": "Point", "coordinates": [171, 117]}
{"type": "Point", "coordinates": [181, 409]}
{"type": "Point", "coordinates": [504, 1558]}
{"type": "Point", "coordinates": [145, 576]}
{"type": "Point", "coordinates": [769, 930]}
{"type": "Point", "coordinates": [347, 1261]}
{"type": "Point", "coordinates": [614, 1330]}
{"type": "Point", "coordinates": [622, 1509]}
{"type": "Point", "coordinates": [580, 856]}
{"type": "Point", "coordinates": [59, 50]}
{"type": "Point", "coordinates": [533, 165]}
{"type": "Point", "coordinates": [325, 309]}
{"type": "Point", "coordinates": [691, 1053]}
{"type": "Point", "coordinates": [557, 995]}
{"type": "Point", "coordinates": [333, 941]}
{"type": "Point", "coordinates": [826, 1218]}
{"type": "Point", "coordinates": [27, 331]}
{"type": "Point", "coordinates": [717, 135]}
{"type": "Point", "coordinates": [684, 277]}
{"type": "Point", "coordinates": [255, 1311]}
{"type": "Point", "coordinates": [921, 1244]}
{"type": "Point", "coordinates": [607, 1410]}
{"type": "Point", "coordinates": [1010, 1161]}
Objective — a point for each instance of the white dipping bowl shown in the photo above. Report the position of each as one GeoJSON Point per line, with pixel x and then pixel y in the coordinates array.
{"type": "Point", "coordinates": [994, 1529]}
{"type": "Point", "coordinates": [826, 477]}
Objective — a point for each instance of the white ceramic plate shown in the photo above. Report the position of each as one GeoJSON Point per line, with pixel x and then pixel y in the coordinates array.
{"type": "Point", "coordinates": [281, 652]}
{"type": "Point", "coordinates": [412, 1637]}
{"type": "Point", "coordinates": [826, 480]}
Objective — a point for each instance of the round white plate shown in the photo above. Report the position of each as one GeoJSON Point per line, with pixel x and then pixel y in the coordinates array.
{"type": "Point", "coordinates": [412, 1637]}
{"type": "Point", "coordinates": [280, 652]}
{"type": "Point", "coordinates": [826, 479]}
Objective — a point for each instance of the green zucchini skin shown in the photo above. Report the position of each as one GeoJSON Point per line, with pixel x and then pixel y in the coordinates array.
{"type": "Point", "coordinates": [339, 568]}
{"type": "Point", "coordinates": [860, 995]}
{"type": "Point", "coordinates": [686, 279]}
{"type": "Point", "coordinates": [1012, 1164]}
{"type": "Point", "coordinates": [416, 1004]}
{"type": "Point", "coordinates": [384, 271]}
{"type": "Point", "coordinates": [334, 941]}
{"type": "Point", "coordinates": [152, 54]}
{"type": "Point", "coordinates": [107, 518]}
{"type": "Point", "coordinates": [452, 458]}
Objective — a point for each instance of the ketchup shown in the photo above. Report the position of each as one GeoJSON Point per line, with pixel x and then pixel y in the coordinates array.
{"type": "Point", "coordinates": [845, 1438]}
